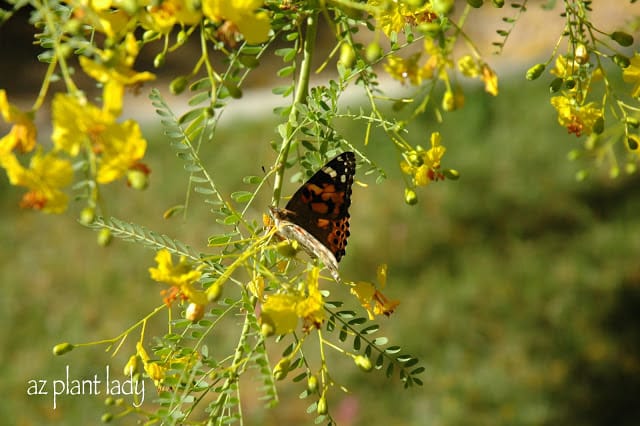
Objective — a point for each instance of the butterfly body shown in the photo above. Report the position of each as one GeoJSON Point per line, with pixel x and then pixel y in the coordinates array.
{"type": "Point", "coordinates": [317, 215]}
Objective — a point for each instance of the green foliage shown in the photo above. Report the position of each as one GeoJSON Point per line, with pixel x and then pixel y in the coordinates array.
{"type": "Point", "coordinates": [270, 297]}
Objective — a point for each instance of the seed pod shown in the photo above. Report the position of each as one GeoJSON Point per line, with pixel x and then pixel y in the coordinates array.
{"type": "Point", "coordinates": [555, 85]}
{"type": "Point", "coordinates": [534, 72]}
{"type": "Point", "coordinates": [621, 61]}
{"type": "Point", "coordinates": [622, 38]}
{"type": "Point", "coordinates": [62, 348]}
{"type": "Point", "coordinates": [410, 196]}
{"type": "Point", "coordinates": [598, 126]}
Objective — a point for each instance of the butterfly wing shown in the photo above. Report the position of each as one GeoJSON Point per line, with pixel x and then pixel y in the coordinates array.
{"type": "Point", "coordinates": [321, 205]}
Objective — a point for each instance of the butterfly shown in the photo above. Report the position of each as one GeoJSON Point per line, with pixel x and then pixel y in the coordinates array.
{"type": "Point", "coordinates": [317, 215]}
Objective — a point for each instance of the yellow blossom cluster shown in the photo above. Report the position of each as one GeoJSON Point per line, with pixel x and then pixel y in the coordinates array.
{"type": "Point", "coordinates": [424, 166]}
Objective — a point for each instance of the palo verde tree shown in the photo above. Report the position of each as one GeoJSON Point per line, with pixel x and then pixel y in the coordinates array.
{"type": "Point", "coordinates": [594, 83]}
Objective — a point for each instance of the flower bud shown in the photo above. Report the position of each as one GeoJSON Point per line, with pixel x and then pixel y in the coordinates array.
{"type": "Point", "coordinates": [555, 85]}
{"type": "Point", "coordinates": [87, 215]}
{"type": "Point", "coordinates": [181, 37]}
{"type": "Point", "coordinates": [62, 348]}
{"type": "Point", "coordinates": [373, 52]}
{"type": "Point", "coordinates": [448, 101]}
{"type": "Point", "coordinates": [410, 196]}
{"type": "Point", "coordinates": [534, 72]}
{"type": "Point", "coordinates": [475, 3]}
{"type": "Point", "coordinates": [194, 312]}
{"type": "Point", "coordinates": [632, 142]}
{"type": "Point", "coordinates": [131, 367]}
{"type": "Point", "coordinates": [442, 7]}
{"type": "Point", "coordinates": [159, 60]}
{"type": "Point", "coordinates": [106, 418]}
{"type": "Point", "coordinates": [598, 126]}
{"type": "Point", "coordinates": [622, 38]}
{"type": "Point", "coordinates": [347, 55]}
{"type": "Point", "coordinates": [363, 362]}
{"type": "Point", "coordinates": [621, 61]}
{"type": "Point", "coordinates": [137, 179]}
{"type": "Point", "coordinates": [498, 3]}
{"type": "Point", "coordinates": [149, 35]}
{"type": "Point", "coordinates": [633, 122]}
{"type": "Point", "coordinates": [108, 401]}
{"type": "Point", "coordinates": [451, 174]}
{"type": "Point", "coordinates": [104, 237]}
{"type": "Point", "coordinates": [267, 329]}
{"type": "Point", "coordinates": [581, 54]}
{"type": "Point", "coordinates": [281, 369]}
{"type": "Point", "coordinates": [312, 383]}
{"type": "Point", "coordinates": [322, 405]}
{"type": "Point", "coordinates": [178, 85]}
{"type": "Point", "coordinates": [570, 83]}
{"type": "Point", "coordinates": [214, 292]}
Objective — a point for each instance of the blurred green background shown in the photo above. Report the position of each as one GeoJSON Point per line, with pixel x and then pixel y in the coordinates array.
{"type": "Point", "coordinates": [519, 286]}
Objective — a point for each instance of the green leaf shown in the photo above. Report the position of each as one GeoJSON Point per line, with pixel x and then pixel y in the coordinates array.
{"type": "Point", "coordinates": [241, 196]}
{"type": "Point", "coordinates": [191, 115]}
{"type": "Point", "coordinates": [252, 180]}
{"type": "Point", "coordinates": [199, 98]}
{"type": "Point", "coordinates": [393, 350]}
{"type": "Point", "coordinates": [370, 329]}
{"type": "Point", "coordinates": [202, 84]}
{"type": "Point", "coordinates": [380, 341]}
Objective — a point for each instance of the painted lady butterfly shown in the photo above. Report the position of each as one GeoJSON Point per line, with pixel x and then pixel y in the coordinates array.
{"type": "Point", "coordinates": [317, 216]}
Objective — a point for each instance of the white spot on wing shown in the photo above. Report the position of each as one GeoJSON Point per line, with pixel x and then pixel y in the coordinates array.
{"type": "Point", "coordinates": [329, 170]}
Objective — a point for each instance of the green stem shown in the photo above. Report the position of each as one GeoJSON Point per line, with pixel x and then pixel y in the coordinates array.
{"type": "Point", "coordinates": [302, 89]}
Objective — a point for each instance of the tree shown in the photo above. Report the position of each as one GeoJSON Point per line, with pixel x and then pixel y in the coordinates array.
{"type": "Point", "coordinates": [413, 41]}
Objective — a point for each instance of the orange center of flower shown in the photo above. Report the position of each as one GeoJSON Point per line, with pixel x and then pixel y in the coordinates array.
{"type": "Point", "coordinates": [33, 200]}
{"type": "Point", "coordinates": [575, 126]}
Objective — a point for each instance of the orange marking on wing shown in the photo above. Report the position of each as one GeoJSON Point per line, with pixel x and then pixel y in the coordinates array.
{"type": "Point", "coordinates": [323, 223]}
{"type": "Point", "coordinates": [322, 208]}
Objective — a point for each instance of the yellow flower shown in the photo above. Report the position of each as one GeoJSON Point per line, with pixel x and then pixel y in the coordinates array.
{"type": "Point", "coordinates": [424, 166]}
{"type": "Point", "coordinates": [121, 72]}
{"type": "Point", "coordinates": [392, 16]}
{"type": "Point", "coordinates": [402, 69]}
{"type": "Point", "coordinates": [44, 178]}
{"type": "Point", "coordinates": [564, 69]}
{"type": "Point", "coordinates": [78, 124]}
{"type": "Point", "coordinates": [371, 298]}
{"type": "Point", "coordinates": [162, 16]}
{"type": "Point", "coordinates": [155, 371]}
{"type": "Point", "coordinates": [283, 310]}
{"type": "Point", "coordinates": [116, 72]}
{"type": "Point", "coordinates": [253, 25]}
{"type": "Point", "coordinates": [490, 79]}
{"type": "Point", "coordinates": [438, 61]}
{"type": "Point", "coordinates": [311, 308]}
{"type": "Point", "coordinates": [631, 74]}
{"type": "Point", "coordinates": [181, 276]}
{"type": "Point", "coordinates": [279, 312]}
{"type": "Point", "coordinates": [22, 135]}
{"type": "Point", "coordinates": [578, 119]}
{"type": "Point", "coordinates": [468, 66]}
